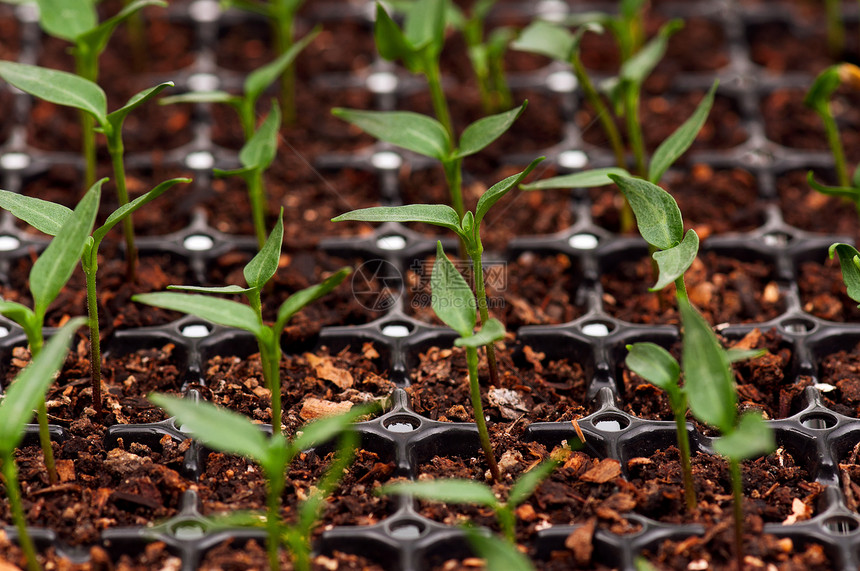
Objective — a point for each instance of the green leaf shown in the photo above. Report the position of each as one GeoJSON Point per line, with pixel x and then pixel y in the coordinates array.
{"type": "Point", "coordinates": [436, 214]}
{"type": "Point", "coordinates": [261, 78]}
{"type": "Point", "coordinates": [486, 130]}
{"type": "Point", "coordinates": [529, 481]}
{"type": "Point", "coordinates": [673, 262]}
{"type": "Point", "coordinates": [311, 509]}
{"type": "Point", "coordinates": [20, 314]}
{"type": "Point", "coordinates": [57, 87]}
{"type": "Point", "coordinates": [424, 28]}
{"type": "Point", "coordinates": [583, 179]}
{"type": "Point", "coordinates": [261, 148]}
{"type": "Point", "coordinates": [221, 311]}
{"type": "Point", "coordinates": [116, 118]}
{"type": "Point", "coordinates": [638, 67]}
{"type": "Point", "coordinates": [849, 261]}
{"type": "Point", "coordinates": [851, 193]}
{"type": "Point", "coordinates": [67, 19]}
{"type": "Point", "coordinates": [324, 429]}
{"type": "Point", "coordinates": [392, 44]}
{"type": "Point", "coordinates": [678, 142]}
{"type": "Point", "coordinates": [708, 378]}
{"type": "Point", "coordinates": [498, 190]}
{"type": "Point", "coordinates": [413, 131]}
{"type": "Point", "coordinates": [54, 267]}
{"type": "Point", "coordinates": [303, 297]}
{"type": "Point", "coordinates": [490, 332]}
{"type": "Point", "coordinates": [654, 364]}
{"type": "Point", "coordinates": [228, 289]}
{"type": "Point", "coordinates": [44, 216]}
{"type": "Point", "coordinates": [129, 208]}
{"type": "Point", "coordinates": [657, 214]}
{"type": "Point", "coordinates": [263, 266]}
{"type": "Point", "coordinates": [29, 387]}
{"type": "Point", "coordinates": [448, 490]}
{"type": "Point", "coordinates": [98, 37]}
{"type": "Point", "coordinates": [202, 97]}
{"type": "Point", "coordinates": [821, 90]}
{"type": "Point", "coordinates": [737, 355]}
{"type": "Point", "coordinates": [217, 428]}
{"type": "Point", "coordinates": [751, 438]}
{"type": "Point", "coordinates": [451, 297]}
{"type": "Point", "coordinates": [498, 553]}
{"type": "Point", "coordinates": [547, 39]}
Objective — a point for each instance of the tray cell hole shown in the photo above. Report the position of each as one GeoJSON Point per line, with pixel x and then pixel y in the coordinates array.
{"type": "Point", "coordinates": [572, 159]}
{"type": "Point", "coordinates": [798, 325]}
{"type": "Point", "coordinates": [611, 422]}
{"type": "Point", "coordinates": [4, 331]}
{"type": "Point", "coordinates": [15, 161]}
{"type": "Point", "coordinates": [405, 530]}
{"type": "Point", "coordinates": [204, 10]}
{"type": "Point", "coordinates": [583, 241]}
{"type": "Point", "coordinates": [200, 160]}
{"type": "Point", "coordinates": [188, 531]}
{"type": "Point", "coordinates": [777, 238]}
{"type": "Point", "coordinates": [28, 13]}
{"type": "Point", "coordinates": [841, 525]}
{"type": "Point", "coordinates": [597, 328]}
{"type": "Point", "coordinates": [551, 10]}
{"type": "Point", "coordinates": [198, 243]}
{"type": "Point", "coordinates": [195, 331]}
{"type": "Point", "coordinates": [382, 82]}
{"type": "Point", "coordinates": [397, 330]}
{"type": "Point", "coordinates": [392, 242]}
{"type": "Point", "coordinates": [9, 243]}
{"type": "Point", "coordinates": [402, 424]}
{"type": "Point", "coordinates": [386, 160]}
{"type": "Point", "coordinates": [818, 420]}
{"type": "Point", "coordinates": [562, 82]}
{"type": "Point", "coordinates": [203, 82]}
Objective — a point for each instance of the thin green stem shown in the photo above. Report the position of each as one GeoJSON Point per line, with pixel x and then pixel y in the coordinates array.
{"type": "Point", "coordinates": [634, 128]}
{"type": "Point", "coordinates": [437, 95]}
{"type": "Point", "coordinates": [507, 521]}
{"type": "Point", "coordinates": [117, 150]}
{"type": "Point", "coordinates": [603, 115]}
{"type": "Point", "coordinates": [36, 341]}
{"type": "Point", "coordinates": [835, 28]}
{"type": "Point", "coordinates": [95, 336]}
{"type": "Point", "coordinates": [483, 309]}
{"type": "Point", "coordinates": [86, 66]}
{"type": "Point", "coordinates": [833, 139]}
{"type": "Point", "coordinates": [684, 449]}
{"type": "Point", "coordinates": [478, 409]}
{"type": "Point", "coordinates": [738, 498]}
{"type": "Point", "coordinates": [16, 507]}
{"type": "Point", "coordinates": [258, 204]}
{"type": "Point", "coordinates": [454, 178]}
{"type": "Point", "coordinates": [270, 358]}
{"type": "Point", "coordinates": [273, 518]}
{"type": "Point", "coordinates": [283, 23]}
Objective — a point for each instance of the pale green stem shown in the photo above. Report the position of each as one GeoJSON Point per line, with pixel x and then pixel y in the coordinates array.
{"type": "Point", "coordinates": [95, 336]}
{"type": "Point", "coordinates": [283, 24]}
{"type": "Point", "coordinates": [16, 507]}
{"type": "Point", "coordinates": [483, 311]}
{"type": "Point", "coordinates": [256, 196]}
{"type": "Point", "coordinates": [478, 409]}
{"type": "Point", "coordinates": [835, 28]}
{"type": "Point", "coordinates": [86, 66]}
{"type": "Point", "coordinates": [832, 132]}
{"type": "Point", "coordinates": [738, 498]}
{"type": "Point", "coordinates": [603, 115]}
{"type": "Point", "coordinates": [116, 150]}
{"type": "Point", "coordinates": [273, 518]}
{"type": "Point", "coordinates": [684, 449]}
{"type": "Point", "coordinates": [437, 95]}
{"type": "Point", "coordinates": [36, 341]}
{"type": "Point", "coordinates": [507, 521]}
{"type": "Point", "coordinates": [634, 128]}
{"type": "Point", "coordinates": [270, 358]}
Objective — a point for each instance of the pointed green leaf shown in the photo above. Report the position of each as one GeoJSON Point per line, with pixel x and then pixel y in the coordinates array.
{"type": "Point", "coordinates": [737, 355]}
{"type": "Point", "coordinates": [44, 216]}
{"type": "Point", "coordinates": [305, 296]}
{"type": "Point", "coordinates": [849, 261]}
{"type": "Point", "coordinates": [446, 490]}
{"type": "Point", "coordinates": [548, 39]}
{"type": "Point", "coordinates": [261, 148]}
{"type": "Point", "coordinates": [217, 428]}
{"type": "Point", "coordinates": [751, 438]}
{"type": "Point", "coordinates": [263, 266]}
{"type": "Point", "coordinates": [260, 79]}
{"type": "Point", "coordinates": [54, 267]}
{"type": "Point", "coordinates": [498, 553]}
{"type": "Point", "coordinates": [424, 28]}
{"type": "Point", "coordinates": [20, 314]}
{"type": "Point", "coordinates": [708, 379]}
{"type": "Point", "coordinates": [98, 37]}
{"type": "Point", "coordinates": [654, 364]}
{"type": "Point", "coordinates": [228, 289]}
{"type": "Point", "coordinates": [451, 297]}
{"type": "Point", "coordinates": [583, 179]}
{"type": "Point", "coordinates": [58, 87]}
{"type": "Point", "coordinates": [129, 208]}
{"type": "Point", "coordinates": [29, 387]}
{"type": "Point", "coordinates": [678, 142]}
{"type": "Point", "coordinates": [221, 311]}
{"type": "Point", "coordinates": [851, 193]}
{"type": "Point", "coordinates": [490, 332]}
{"type": "Point", "coordinates": [673, 262]}
{"type": "Point", "coordinates": [116, 118]}
{"type": "Point", "coordinates": [498, 190]}
{"type": "Point", "coordinates": [202, 97]}
{"type": "Point", "coordinates": [528, 482]}
{"type": "Point", "coordinates": [657, 214]}
{"type": "Point", "coordinates": [392, 44]}
{"type": "Point", "coordinates": [324, 429]}
{"type": "Point", "coordinates": [412, 131]}
{"type": "Point", "coordinates": [638, 67]}
{"type": "Point", "coordinates": [436, 214]}
{"type": "Point", "coordinates": [67, 19]}
{"type": "Point", "coordinates": [486, 130]}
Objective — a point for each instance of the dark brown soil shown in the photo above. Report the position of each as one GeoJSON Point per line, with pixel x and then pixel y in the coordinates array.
{"type": "Point", "coordinates": [812, 211]}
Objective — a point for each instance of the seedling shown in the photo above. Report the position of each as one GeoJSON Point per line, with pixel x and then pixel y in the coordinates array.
{"type": "Point", "coordinates": [428, 137]}
{"type": "Point", "coordinates": [256, 156]}
{"type": "Point", "coordinates": [467, 227]}
{"type": "Point", "coordinates": [73, 91]}
{"type": "Point", "coordinates": [48, 217]}
{"type": "Point", "coordinates": [233, 433]}
{"type": "Point", "coordinates": [849, 262]}
{"type": "Point", "coordinates": [76, 21]}
{"type": "Point", "coordinates": [818, 98]}
{"type": "Point", "coordinates": [48, 276]}
{"type": "Point", "coordinates": [250, 317]}
{"type": "Point", "coordinates": [281, 14]}
{"type": "Point", "coordinates": [255, 84]}
{"type": "Point", "coordinates": [16, 409]}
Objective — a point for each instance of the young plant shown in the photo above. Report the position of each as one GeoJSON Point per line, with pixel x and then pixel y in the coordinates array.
{"type": "Point", "coordinates": [230, 432]}
{"type": "Point", "coordinates": [849, 262]}
{"type": "Point", "coordinates": [76, 21]}
{"type": "Point", "coordinates": [16, 409]}
{"type": "Point", "coordinates": [428, 137]}
{"type": "Point", "coordinates": [818, 98]}
{"type": "Point", "coordinates": [466, 226]}
{"type": "Point", "coordinates": [454, 491]}
{"type": "Point", "coordinates": [48, 217]}
{"type": "Point", "coordinates": [48, 276]}
{"type": "Point", "coordinates": [73, 91]}
{"type": "Point", "coordinates": [249, 318]}
{"type": "Point", "coordinates": [255, 84]}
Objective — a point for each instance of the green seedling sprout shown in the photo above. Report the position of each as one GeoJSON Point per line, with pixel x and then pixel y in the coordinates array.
{"type": "Point", "coordinates": [48, 276]}
{"type": "Point", "coordinates": [73, 91]}
{"type": "Point", "coordinates": [849, 262]}
{"type": "Point", "coordinates": [249, 318]}
{"type": "Point", "coordinates": [230, 432]}
{"type": "Point", "coordinates": [16, 409]}
{"type": "Point", "coordinates": [48, 217]}
{"type": "Point", "coordinates": [281, 14]}
{"type": "Point", "coordinates": [818, 98]}
{"type": "Point", "coordinates": [467, 227]}
{"type": "Point", "coordinates": [428, 137]}
{"type": "Point", "coordinates": [255, 84]}
{"type": "Point", "coordinates": [256, 156]}
{"type": "Point", "coordinates": [76, 21]}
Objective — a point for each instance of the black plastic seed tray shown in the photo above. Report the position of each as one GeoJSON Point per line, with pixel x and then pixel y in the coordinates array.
{"type": "Point", "coordinates": [817, 437]}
